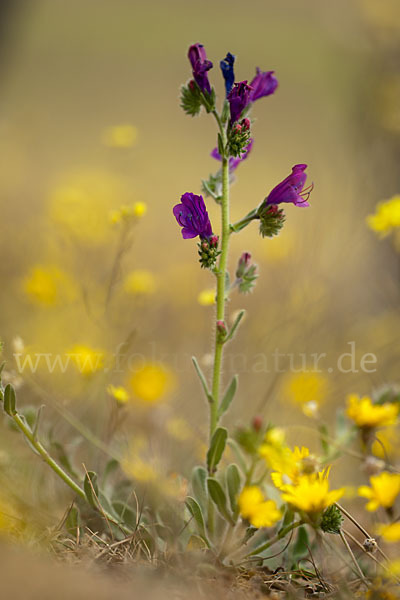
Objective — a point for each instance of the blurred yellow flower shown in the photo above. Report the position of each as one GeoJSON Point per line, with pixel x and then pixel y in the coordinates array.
{"type": "Point", "coordinates": [139, 469]}
{"type": "Point", "coordinates": [87, 360]}
{"type": "Point", "coordinates": [206, 297]}
{"type": "Point", "coordinates": [387, 443]}
{"type": "Point", "coordinates": [140, 283]}
{"type": "Point", "coordinates": [389, 532]}
{"type": "Point", "coordinates": [10, 520]}
{"type": "Point", "coordinates": [253, 506]}
{"type": "Point", "coordinates": [383, 491]}
{"type": "Point", "coordinates": [311, 493]}
{"type": "Point", "coordinates": [365, 413]}
{"type": "Point", "coordinates": [49, 286]}
{"type": "Point", "coordinates": [308, 390]}
{"type": "Point", "coordinates": [178, 429]}
{"type": "Point", "coordinates": [120, 136]}
{"type": "Point", "coordinates": [386, 217]}
{"type": "Point", "coordinates": [81, 205]}
{"type": "Point", "coordinates": [125, 213]}
{"type": "Point", "coordinates": [151, 382]}
{"type": "Point", "coordinates": [119, 393]}
{"type": "Point", "coordinates": [292, 465]}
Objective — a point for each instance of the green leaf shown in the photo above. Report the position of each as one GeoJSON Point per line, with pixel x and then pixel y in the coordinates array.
{"type": "Point", "coordinates": [91, 489]}
{"type": "Point", "coordinates": [72, 521]}
{"type": "Point", "coordinates": [3, 364]}
{"type": "Point", "coordinates": [216, 450]}
{"type": "Point", "coordinates": [300, 549]}
{"type": "Point", "coordinates": [228, 396]}
{"type": "Point", "coordinates": [110, 468]}
{"type": "Point", "coordinates": [235, 325]}
{"type": "Point", "coordinates": [239, 454]}
{"type": "Point", "coordinates": [199, 485]}
{"type": "Point", "coordinates": [218, 496]}
{"type": "Point", "coordinates": [202, 379]}
{"type": "Point", "coordinates": [233, 482]}
{"type": "Point", "coordinates": [197, 514]}
{"type": "Point", "coordinates": [191, 100]}
{"type": "Point", "coordinates": [221, 148]}
{"type": "Point", "coordinates": [9, 400]}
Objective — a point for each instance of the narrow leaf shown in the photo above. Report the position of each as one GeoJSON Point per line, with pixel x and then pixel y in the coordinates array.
{"type": "Point", "coordinates": [218, 496]}
{"type": "Point", "coordinates": [199, 485]}
{"type": "Point", "coordinates": [233, 482]}
{"type": "Point", "coordinates": [235, 325]}
{"type": "Point", "coordinates": [228, 396]}
{"type": "Point", "coordinates": [217, 447]}
{"type": "Point", "coordinates": [196, 512]}
{"type": "Point", "coordinates": [91, 488]}
{"type": "Point", "coordinates": [9, 400]}
{"type": "Point", "coordinates": [202, 379]}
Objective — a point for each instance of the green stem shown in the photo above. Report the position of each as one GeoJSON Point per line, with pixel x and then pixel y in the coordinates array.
{"type": "Point", "coordinates": [220, 275]}
{"type": "Point", "coordinates": [41, 450]}
{"type": "Point", "coordinates": [275, 539]}
{"type": "Point", "coordinates": [239, 225]}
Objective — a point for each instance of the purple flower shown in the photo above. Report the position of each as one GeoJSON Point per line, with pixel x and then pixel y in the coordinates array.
{"type": "Point", "coordinates": [200, 66]}
{"type": "Point", "coordinates": [192, 216]}
{"type": "Point", "coordinates": [227, 71]}
{"type": "Point", "coordinates": [291, 189]}
{"type": "Point", "coordinates": [239, 98]}
{"type": "Point", "coordinates": [263, 84]}
{"type": "Point", "coordinates": [234, 162]}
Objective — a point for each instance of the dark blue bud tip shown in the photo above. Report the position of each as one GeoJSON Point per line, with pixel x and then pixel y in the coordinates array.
{"type": "Point", "coordinates": [226, 66]}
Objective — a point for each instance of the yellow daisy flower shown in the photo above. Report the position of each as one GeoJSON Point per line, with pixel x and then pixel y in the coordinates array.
{"type": "Point", "coordinates": [254, 507]}
{"type": "Point", "coordinates": [383, 491]}
{"type": "Point", "coordinates": [366, 414]}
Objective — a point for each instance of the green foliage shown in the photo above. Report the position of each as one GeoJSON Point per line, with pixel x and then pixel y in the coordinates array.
{"type": "Point", "coordinates": [233, 483]}
{"type": "Point", "coordinates": [190, 99]}
{"type": "Point", "coordinates": [9, 400]}
{"type": "Point", "coordinates": [196, 512]}
{"type": "Point", "coordinates": [218, 496]}
{"type": "Point", "coordinates": [228, 396]}
{"type": "Point", "coordinates": [216, 449]}
{"type": "Point", "coordinates": [91, 489]}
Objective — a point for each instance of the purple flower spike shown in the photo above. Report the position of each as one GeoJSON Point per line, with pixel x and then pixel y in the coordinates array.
{"type": "Point", "coordinates": [239, 98]}
{"type": "Point", "coordinates": [192, 216]}
{"type": "Point", "coordinates": [200, 66]}
{"type": "Point", "coordinates": [234, 162]}
{"type": "Point", "coordinates": [291, 189]}
{"type": "Point", "coordinates": [263, 84]}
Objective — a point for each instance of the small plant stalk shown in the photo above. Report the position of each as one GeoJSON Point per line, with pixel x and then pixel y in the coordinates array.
{"type": "Point", "coordinates": [220, 275]}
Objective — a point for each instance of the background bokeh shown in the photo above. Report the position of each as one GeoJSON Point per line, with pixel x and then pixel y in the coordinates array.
{"type": "Point", "coordinates": [74, 71]}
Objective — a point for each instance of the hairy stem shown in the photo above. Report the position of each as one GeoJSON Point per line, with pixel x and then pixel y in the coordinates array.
{"type": "Point", "coordinates": [220, 274]}
{"type": "Point", "coordinates": [41, 450]}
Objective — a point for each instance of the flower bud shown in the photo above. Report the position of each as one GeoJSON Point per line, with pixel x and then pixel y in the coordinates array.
{"type": "Point", "coordinates": [257, 423]}
{"type": "Point", "coordinates": [208, 251]}
{"type": "Point", "coordinates": [243, 264]}
{"type": "Point", "coordinates": [332, 520]}
{"type": "Point", "coordinates": [271, 218]}
{"type": "Point", "coordinates": [221, 331]}
{"type": "Point", "coordinates": [246, 273]}
{"type": "Point", "coordinates": [239, 138]}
